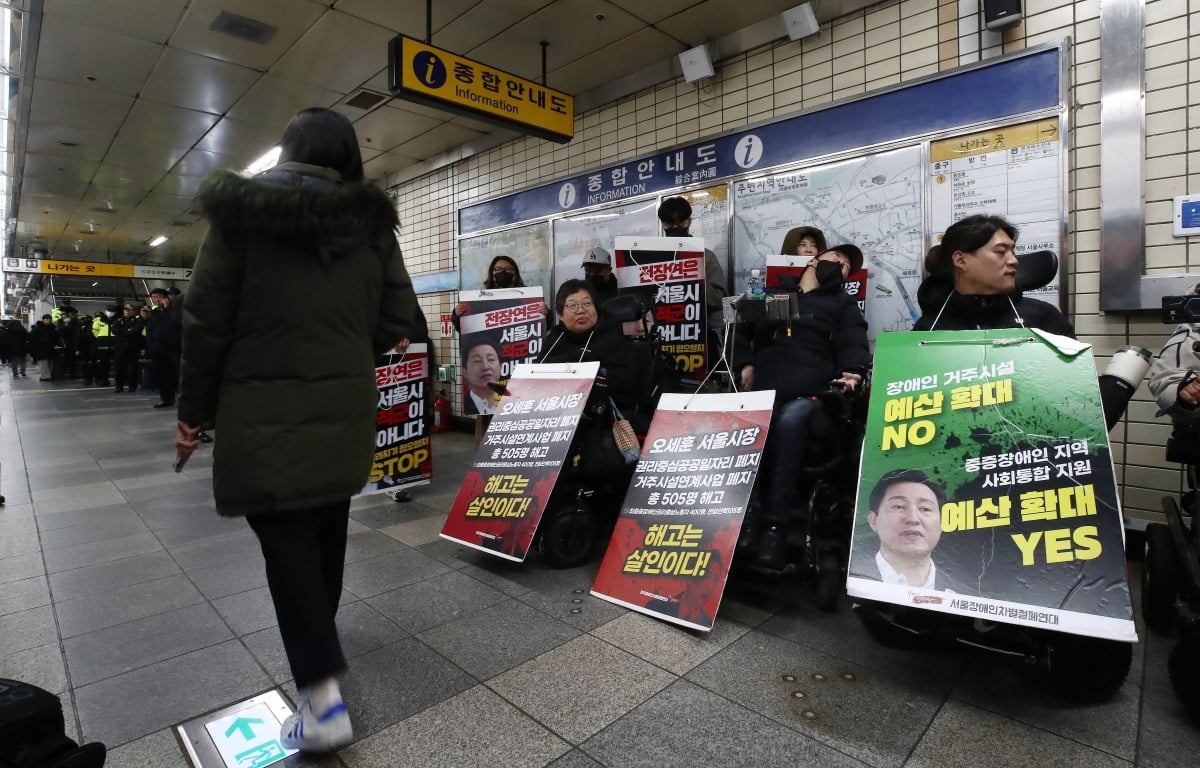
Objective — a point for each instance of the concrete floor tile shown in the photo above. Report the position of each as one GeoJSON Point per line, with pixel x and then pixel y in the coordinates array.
{"type": "Point", "coordinates": [41, 666]}
{"type": "Point", "coordinates": [94, 579]}
{"type": "Point", "coordinates": [202, 529]}
{"type": "Point", "coordinates": [575, 759]}
{"type": "Point", "coordinates": [501, 736]}
{"type": "Point", "coordinates": [391, 571]}
{"type": "Point", "coordinates": [27, 629]}
{"type": "Point", "coordinates": [14, 544]}
{"type": "Point", "coordinates": [132, 705]}
{"type": "Point", "coordinates": [113, 526]}
{"type": "Point", "coordinates": [397, 681]}
{"type": "Point", "coordinates": [1167, 737]}
{"type": "Point", "coordinates": [90, 515]}
{"type": "Point", "coordinates": [90, 490]}
{"type": "Point", "coordinates": [498, 638]}
{"type": "Point", "coordinates": [414, 533]}
{"type": "Point", "coordinates": [580, 687]}
{"type": "Point", "coordinates": [267, 647]}
{"type": "Point", "coordinates": [22, 595]}
{"type": "Point", "coordinates": [435, 601]}
{"type": "Point", "coordinates": [213, 552]}
{"type": "Point", "coordinates": [79, 503]}
{"type": "Point", "coordinates": [117, 650]}
{"type": "Point", "coordinates": [846, 706]}
{"type": "Point", "coordinates": [570, 600]}
{"type": "Point", "coordinates": [686, 725]}
{"type": "Point", "coordinates": [368, 544]}
{"type": "Point", "coordinates": [961, 734]}
{"type": "Point", "coordinates": [1026, 694]}
{"type": "Point", "coordinates": [247, 612]}
{"type": "Point", "coordinates": [20, 567]}
{"type": "Point", "coordinates": [100, 552]}
{"type": "Point", "coordinates": [158, 750]}
{"type": "Point", "coordinates": [673, 648]}
{"type": "Point", "coordinates": [80, 615]}
{"type": "Point", "coordinates": [230, 578]}
{"type": "Point", "coordinates": [362, 629]}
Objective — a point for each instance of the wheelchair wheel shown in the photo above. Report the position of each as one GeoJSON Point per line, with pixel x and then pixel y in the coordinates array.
{"type": "Point", "coordinates": [1087, 670]}
{"type": "Point", "coordinates": [830, 583]}
{"type": "Point", "coordinates": [1160, 578]}
{"type": "Point", "coordinates": [569, 537]}
{"type": "Point", "coordinates": [879, 619]}
{"type": "Point", "coordinates": [1183, 667]}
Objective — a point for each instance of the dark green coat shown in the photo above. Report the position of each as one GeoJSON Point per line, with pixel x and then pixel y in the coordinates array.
{"type": "Point", "coordinates": [298, 286]}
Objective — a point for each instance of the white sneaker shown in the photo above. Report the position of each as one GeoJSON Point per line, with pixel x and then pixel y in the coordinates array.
{"type": "Point", "coordinates": [310, 732]}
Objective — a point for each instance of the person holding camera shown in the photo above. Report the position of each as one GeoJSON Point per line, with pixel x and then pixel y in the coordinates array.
{"type": "Point", "coordinates": [1174, 381]}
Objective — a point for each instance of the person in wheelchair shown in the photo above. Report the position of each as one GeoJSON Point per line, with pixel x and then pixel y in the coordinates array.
{"type": "Point", "coordinates": [823, 340]}
{"type": "Point", "coordinates": [585, 334]}
{"type": "Point", "coordinates": [1174, 377]}
{"type": "Point", "coordinates": [973, 283]}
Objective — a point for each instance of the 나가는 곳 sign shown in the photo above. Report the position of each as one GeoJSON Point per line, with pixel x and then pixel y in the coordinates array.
{"type": "Point", "coordinates": [422, 73]}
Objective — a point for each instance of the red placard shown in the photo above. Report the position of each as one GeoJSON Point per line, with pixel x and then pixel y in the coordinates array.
{"type": "Point", "coordinates": [855, 285]}
{"type": "Point", "coordinates": [505, 492]}
{"type": "Point", "coordinates": [670, 551]}
{"type": "Point", "coordinates": [403, 455]}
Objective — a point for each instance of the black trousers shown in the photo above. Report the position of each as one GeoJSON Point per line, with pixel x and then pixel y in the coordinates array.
{"type": "Point", "coordinates": [126, 368]}
{"type": "Point", "coordinates": [166, 371]}
{"type": "Point", "coordinates": [306, 554]}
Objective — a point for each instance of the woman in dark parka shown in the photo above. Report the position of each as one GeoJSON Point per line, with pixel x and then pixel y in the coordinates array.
{"type": "Point", "coordinates": [297, 288]}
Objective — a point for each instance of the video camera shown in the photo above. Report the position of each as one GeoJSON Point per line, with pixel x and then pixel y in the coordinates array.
{"type": "Point", "coordinates": [1180, 309]}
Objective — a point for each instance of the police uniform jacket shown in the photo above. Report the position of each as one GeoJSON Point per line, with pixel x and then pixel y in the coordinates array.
{"type": "Point", "coordinates": [292, 393]}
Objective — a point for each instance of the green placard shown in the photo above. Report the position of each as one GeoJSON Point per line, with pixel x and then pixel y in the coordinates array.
{"type": "Point", "coordinates": [1010, 429]}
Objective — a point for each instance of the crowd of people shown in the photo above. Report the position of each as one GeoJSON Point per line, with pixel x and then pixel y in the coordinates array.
{"type": "Point", "coordinates": [124, 346]}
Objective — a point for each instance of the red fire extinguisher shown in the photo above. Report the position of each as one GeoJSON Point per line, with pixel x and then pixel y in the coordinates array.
{"type": "Point", "coordinates": [441, 413]}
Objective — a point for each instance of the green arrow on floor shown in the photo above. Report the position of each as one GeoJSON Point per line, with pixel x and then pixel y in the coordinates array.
{"type": "Point", "coordinates": [243, 724]}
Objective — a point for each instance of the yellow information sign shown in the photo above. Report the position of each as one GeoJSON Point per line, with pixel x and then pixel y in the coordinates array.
{"type": "Point", "coordinates": [85, 268]}
{"type": "Point", "coordinates": [994, 140]}
{"type": "Point", "coordinates": [423, 73]}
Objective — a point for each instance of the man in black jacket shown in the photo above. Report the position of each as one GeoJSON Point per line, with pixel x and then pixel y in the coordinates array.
{"type": "Point", "coordinates": [163, 341]}
{"type": "Point", "coordinates": [823, 340]}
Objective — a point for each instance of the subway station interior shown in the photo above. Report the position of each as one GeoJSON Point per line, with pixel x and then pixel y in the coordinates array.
{"type": "Point", "coordinates": [125, 595]}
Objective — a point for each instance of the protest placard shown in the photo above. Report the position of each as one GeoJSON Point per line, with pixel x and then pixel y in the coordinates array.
{"type": "Point", "coordinates": [403, 455]}
{"type": "Point", "coordinates": [502, 328]}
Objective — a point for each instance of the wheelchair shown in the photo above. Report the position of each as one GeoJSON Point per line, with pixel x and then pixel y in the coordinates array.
{"type": "Point", "coordinates": [1171, 574]}
{"type": "Point", "coordinates": [586, 500]}
{"type": "Point", "coordinates": [817, 542]}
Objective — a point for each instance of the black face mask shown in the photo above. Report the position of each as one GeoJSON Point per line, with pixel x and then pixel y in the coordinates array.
{"type": "Point", "coordinates": [829, 273]}
{"type": "Point", "coordinates": [600, 281]}
{"type": "Point", "coordinates": [675, 231]}
{"type": "Point", "coordinates": [504, 279]}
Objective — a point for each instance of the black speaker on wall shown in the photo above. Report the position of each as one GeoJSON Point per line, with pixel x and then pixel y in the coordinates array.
{"type": "Point", "coordinates": [998, 14]}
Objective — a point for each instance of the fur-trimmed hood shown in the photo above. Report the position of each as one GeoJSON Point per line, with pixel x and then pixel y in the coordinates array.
{"type": "Point", "coordinates": [297, 203]}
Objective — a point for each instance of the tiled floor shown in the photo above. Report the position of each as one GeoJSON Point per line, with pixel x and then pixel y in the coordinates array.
{"type": "Point", "coordinates": [122, 591]}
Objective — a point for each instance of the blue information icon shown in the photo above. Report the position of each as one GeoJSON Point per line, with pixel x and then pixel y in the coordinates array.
{"type": "Point", "coordinates": [429, 69]}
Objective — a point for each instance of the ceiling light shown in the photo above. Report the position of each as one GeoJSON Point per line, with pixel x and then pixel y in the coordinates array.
{"type": "Point", "coordinates": [95, 283]}
{"type": "Point", "coordinates": [268, 160]}
{"type": "Point", "coordinates": [157, 241]}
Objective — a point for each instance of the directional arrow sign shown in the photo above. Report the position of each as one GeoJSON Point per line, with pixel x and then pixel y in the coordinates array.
{"type": "Point", "coordinates": [243, 724]}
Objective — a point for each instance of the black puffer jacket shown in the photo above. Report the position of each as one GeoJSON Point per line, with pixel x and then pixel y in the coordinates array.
{"type": "Point", "coordinates": [298, 286]}
{"type": "Point", "coordinates": [968, 312]}
{"type": "Point", "coordinates": [627, 365]}
{"type": "Point", "coordinates": [828, 336]}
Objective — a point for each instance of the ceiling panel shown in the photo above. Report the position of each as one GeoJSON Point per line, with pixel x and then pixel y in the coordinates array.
{"type": "Point", "coordinates": [202, 83]}
{"type": "Point", "coordinates": [339, 52]}
{"type": "Point", "coordinates": [154, 21]}
{"type": "Point", "coordinates": [48, 138]}
{"type": "Point", "coordinates": [435, 142]}
{"type": "Point", "coordinates": [641, 49]}
{"type": "Point", "coordinates": [243, 141]}
{"type": "Point", "coordinates": [654, 12]}
{"type": "Point", "coordinates": [198, 163]}
{"type": "Point", "coordinates": [274, 101]}
{"type": "Point", "coordinates": [291, 17]}
{"type": "Point", "coordinates": [384, 129]}
{"type": "Point", "coordinates": [484, 21]}
{"type": "Point", "coordinates": [74, 53]}
{"type": "Point", "coordinates": [178, 184]}
{"type": "Point", "coordinates": [712, 19]}
{"type": "Point", "coordinates": [136, 150]}
{"type": "Point", "coordinates": [570, 27]}
{"type": "Point", "coordinates": [405, 16]}
{"type": "Point", "coordinates": [175, 126]}
{"type": "Point", "coordinates": [78, 106]}
{"type": "Point", "coordinates": [131, 178]}
{"type": "Point", "coordinates": [388, 162]}
{"type": "Point", "coordinates": [76, 171]}
{"type": "Point", "coordinates": [419, 109]}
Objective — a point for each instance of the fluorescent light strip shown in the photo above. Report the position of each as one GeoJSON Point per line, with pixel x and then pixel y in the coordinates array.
{"type": "Point", "coordinates": [268, 160]}
{"type": "Point", "coordinates": [158, 241]}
